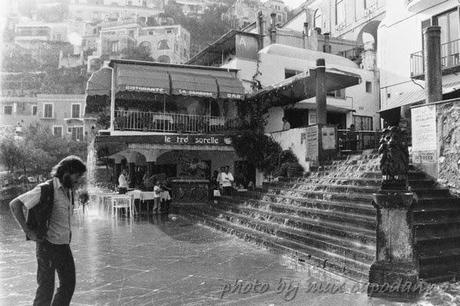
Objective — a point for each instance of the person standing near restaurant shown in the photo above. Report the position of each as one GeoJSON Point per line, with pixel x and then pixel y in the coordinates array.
{"type": "Point", "coordinates": [156, 197]}
{"type": "Point", "coordinates": [286, 124]}
{"type": "Point", "coordinates": [50, 206]}
{"type": "Point", "coordinates": [123, 182]}
{"type": "Point", "coordinates": [227, 181]}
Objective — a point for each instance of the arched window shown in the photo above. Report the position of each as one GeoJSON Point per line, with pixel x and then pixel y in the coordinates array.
{"type": "Point", "coordinates": [163, 44]}
{"type": "Point", "coordinates": [318, 19]}
{"type": "Point", "coordinates": [146, 45]}
{"type": "Point", "coordinates": [164, 59]}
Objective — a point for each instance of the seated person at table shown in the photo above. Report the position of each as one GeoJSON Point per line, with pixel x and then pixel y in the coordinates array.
{"type": "Point", "coordinates": [148, 182]}
{"type": "Point", "coordinates": [156, 197]}
{"type": "Point", "coordinates": [123, 182]}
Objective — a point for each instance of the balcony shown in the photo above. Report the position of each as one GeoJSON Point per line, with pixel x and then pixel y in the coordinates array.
{"type": "Point", "coordinates": [450, 60]}
{"type": "Point", "coordinates": [173, 122]}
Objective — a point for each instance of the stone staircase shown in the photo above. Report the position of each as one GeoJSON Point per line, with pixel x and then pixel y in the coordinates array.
{"type": "Point", "coordinates": [328, 220]}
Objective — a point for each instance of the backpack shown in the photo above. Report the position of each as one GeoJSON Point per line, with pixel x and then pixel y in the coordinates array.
{"type": "Point", "coordinates": [38, 217]}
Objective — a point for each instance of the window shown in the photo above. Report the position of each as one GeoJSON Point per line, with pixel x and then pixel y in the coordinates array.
{"type": "Point", "coordinates": [288, 73]}
{"type": "Point", "coordinates": [164, 59]}
{"type": "Point", "coordinates": [77, 133]}
{"type": "Point", "coordinates": [368, 87]}
{"type": "Point", "coordinates": [318, 19]}
{"type": "Point", "coordinates": [370, 4]}
{"type": "Point", "coordinates": [34, 110]}
{"type": "Point", "coordinates": [163, 45]}
{"type": "Point", "coordinates": [363, 123]}
{"type": "Point", "coordinates": [8, 109]}
{"type": "Point", "coordinates": [48, 110]}
{"type": "Point", "coordinates": [339, 12]}
{"type": "Point", "coordinates": [75, 111]}
{"type": "Point", "coordinates": [146, 45]}
{"type": "Point", "coordinates": [114, 46]}
{"type": "Point", "coordinates": [57, 130]}
{"type": "Point", "coordinates": [338, 94]}
{"type": "Point", "coordinates": [450, 32]}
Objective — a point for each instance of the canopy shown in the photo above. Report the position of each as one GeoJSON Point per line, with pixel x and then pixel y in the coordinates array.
{"type": "Point", "coordinates": [170, 79]}
{"type": "Point", "coordinates": [418, 95]}
{"type": "Point", "coordinates": [303, 86]}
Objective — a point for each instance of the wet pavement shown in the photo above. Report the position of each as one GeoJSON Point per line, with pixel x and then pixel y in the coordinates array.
{"type": "Point", "coordinates": [167, 261]}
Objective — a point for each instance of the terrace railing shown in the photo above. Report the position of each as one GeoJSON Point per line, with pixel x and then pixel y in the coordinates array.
{"type": "Point", "coordinates": [172, 122]}
{"type": "Point", "coordinates": [450, 57]}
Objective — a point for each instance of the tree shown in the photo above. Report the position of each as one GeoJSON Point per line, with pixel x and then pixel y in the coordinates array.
{"type": "Point", "coordinates": [38, 151]}
{"type": "Point", "coordinates": [65, 81]}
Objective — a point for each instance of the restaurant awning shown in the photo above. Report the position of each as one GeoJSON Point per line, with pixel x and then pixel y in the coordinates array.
{"type": "Point", "coordinates": [99, 83]}
{"type": "Point", "coordinates": [230, 88]}
{"type": "Point", "coordinates": [191, 84]}
{"type": "Point", "coordinates": [142, 79]}
{"type": "Point", "coordinates": [303, 86]}
{"type": "Point", "coordinates": [169, 79]}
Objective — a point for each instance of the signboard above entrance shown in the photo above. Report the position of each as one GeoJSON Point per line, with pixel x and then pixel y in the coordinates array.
{"type": "Point", "coordinates": [169, 139]}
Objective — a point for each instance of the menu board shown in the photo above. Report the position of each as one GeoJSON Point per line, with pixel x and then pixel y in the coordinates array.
{"type": "Point", "coordinates": [312, 143]}
{"type": "Point", "coordinates": [328, 138]}
{"type": "Point", "coordinates": [424, 137]}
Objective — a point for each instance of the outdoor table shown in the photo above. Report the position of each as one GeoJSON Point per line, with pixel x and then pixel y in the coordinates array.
{"type": "Point", "coordinates": [142, 196]}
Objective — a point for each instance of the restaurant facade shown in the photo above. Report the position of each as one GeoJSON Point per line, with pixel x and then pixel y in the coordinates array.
{"type": "Point", "coordinates": [166, 120]}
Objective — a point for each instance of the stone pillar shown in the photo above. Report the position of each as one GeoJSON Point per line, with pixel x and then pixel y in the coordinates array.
{"type": "Point", "coordinates": [321, 111]}
{"type": "Point", "coordinates": [150, 165]}
{"type": "Point", "coordinates": [432, 62]}
{"type": "Point", "coordinates": [273, 29]}
{"type": "Point", "coordinates": [132, 168]}
{"type": "Point", "coordinates": [394, 273]}
{"type": "Point", "coordinates": [260, 29]}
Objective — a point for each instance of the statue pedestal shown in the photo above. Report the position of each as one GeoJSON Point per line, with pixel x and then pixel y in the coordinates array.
{"type": "Point", "coordinates": [394, 273]}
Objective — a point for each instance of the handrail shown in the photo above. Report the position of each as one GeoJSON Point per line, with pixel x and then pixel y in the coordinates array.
{"type": "Point", "coordinates": [172, 122]}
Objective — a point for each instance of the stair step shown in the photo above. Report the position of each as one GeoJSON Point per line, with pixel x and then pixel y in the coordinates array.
{"type": "Point", "coordinates": [361, 235]}
{"type": "Point", "coordinates": [359, 197]}
{"type": "Point", "coordinates": [364, 209]}
{"type": "Point", "coordinates": [350, 249]}
{"type": "Point", "coordinates": [329, 261]}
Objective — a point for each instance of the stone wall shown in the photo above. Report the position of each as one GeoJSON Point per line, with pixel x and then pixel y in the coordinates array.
{"type": "Point", "coordinates": [448, 134]}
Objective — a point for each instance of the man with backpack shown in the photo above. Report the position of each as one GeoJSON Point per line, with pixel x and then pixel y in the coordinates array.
{"type": "Point", "coordinates": [50, 206]}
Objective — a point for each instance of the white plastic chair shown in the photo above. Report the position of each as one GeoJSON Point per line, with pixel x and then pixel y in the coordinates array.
{"type": "Point", "coordinates": [122, 201]}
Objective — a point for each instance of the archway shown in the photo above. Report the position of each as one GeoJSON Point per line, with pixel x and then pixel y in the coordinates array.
{"type": "Point", "coordinates": [369, 28]}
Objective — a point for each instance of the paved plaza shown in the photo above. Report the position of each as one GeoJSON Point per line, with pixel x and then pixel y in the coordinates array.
{"type": "Point", "coordinates": [164, 261]}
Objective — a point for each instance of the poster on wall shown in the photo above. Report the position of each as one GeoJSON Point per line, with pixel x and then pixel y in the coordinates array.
{"type": "Point", "coordinates": [424, 138]}
{"type": "Point", "coordinates": [312, 143]}
{"type": "Point", "coordinates": [328, 138]}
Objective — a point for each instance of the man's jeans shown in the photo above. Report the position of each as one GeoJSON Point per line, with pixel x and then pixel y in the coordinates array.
{"type": "Point", "coordinates": [51, 258]}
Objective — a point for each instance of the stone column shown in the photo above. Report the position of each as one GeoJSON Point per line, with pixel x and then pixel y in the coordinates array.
{"type": "Point", "coordinates": [394, 273]}
{"type": "Point", "coordinates": [321, 111]}
{"type": "Point", "coordinates": [432, 62]}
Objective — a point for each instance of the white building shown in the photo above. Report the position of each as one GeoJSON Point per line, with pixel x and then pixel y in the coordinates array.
{"type": "Point", "coordinates": [400, 51]}
{"type": "Point", "coordinates": [166, 44]}
{"type": "Point", "coordinates": [90, 10]}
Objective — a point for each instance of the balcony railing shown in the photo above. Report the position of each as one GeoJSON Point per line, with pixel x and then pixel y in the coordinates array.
{"type": "Point", "coordinates": [358, 140]}
{"type": "Point", "coordinates": [450, 57]}
{"type": "Point", "coordinates": [173, 122]}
